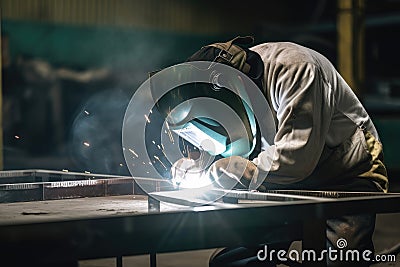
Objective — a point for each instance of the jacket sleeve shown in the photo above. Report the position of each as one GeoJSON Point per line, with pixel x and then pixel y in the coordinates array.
{"type": "Point", "coordinates": [303, 103]}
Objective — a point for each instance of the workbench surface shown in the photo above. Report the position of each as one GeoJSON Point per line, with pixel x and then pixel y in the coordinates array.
{"type": "Point", "coordinates": [115, 226]}
{"type": "Point", "coordinates": [72, 209]}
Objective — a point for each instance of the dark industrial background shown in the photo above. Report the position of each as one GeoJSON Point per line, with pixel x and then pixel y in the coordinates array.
{"type": "Point", "coordinates": [69, 67]}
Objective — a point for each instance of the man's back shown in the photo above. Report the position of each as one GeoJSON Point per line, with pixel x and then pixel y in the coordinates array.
{"type": "Point", "coordinates": [318, 115]}
{"type": "Point", "coordinates": [347, 111]}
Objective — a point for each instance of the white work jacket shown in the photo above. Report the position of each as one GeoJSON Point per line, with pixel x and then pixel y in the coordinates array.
{"type": "Point", "coordinates": [317, 114]}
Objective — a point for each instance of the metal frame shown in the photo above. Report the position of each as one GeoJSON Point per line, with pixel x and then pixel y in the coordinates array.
{"type": "Point", "coordinates": [223, 224]}
{"type": "Point", "coordinates": [322, 206]}
{"type": "Point", "coordinates": [174, 230]}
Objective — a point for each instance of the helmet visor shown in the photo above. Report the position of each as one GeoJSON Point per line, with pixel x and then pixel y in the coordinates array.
{"type": "Point", "coordinates": [213, 115]}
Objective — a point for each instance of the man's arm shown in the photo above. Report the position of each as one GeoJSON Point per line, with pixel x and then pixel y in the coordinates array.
{"type": "Point", "coordinates": [305, 108]}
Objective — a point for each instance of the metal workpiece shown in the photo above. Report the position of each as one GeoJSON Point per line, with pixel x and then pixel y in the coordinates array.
{"type": "Point", "coordinates": [241, 198]}
{"type": "Point", "coordinates": [39, 185]}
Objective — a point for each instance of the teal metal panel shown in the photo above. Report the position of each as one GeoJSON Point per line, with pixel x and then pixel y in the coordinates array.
{"type": "Point", "coordinates": [86, 46]}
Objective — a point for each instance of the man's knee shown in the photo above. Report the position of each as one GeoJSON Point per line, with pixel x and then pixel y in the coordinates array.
{"type": "Point", "coordinates": [351, 236]}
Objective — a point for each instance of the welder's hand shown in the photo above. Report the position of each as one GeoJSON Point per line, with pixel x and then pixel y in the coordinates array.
{"type": "Point", "coordinates": [184, 169]}
{"type": "Point", "coordinates": [233, 172]}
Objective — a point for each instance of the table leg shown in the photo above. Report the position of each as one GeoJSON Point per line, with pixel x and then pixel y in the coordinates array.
{"type": "Point", "coordinates": [153, 259]}
{"type": "Point", "coordinates": [314, 242]}
{"type": "Point", "coordinates": [119, 261]}
{"type": "Point", "coordinates": [153, 205]}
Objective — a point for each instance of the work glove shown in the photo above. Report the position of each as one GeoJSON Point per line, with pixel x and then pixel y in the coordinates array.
{"type": "Point", "coordinates": [235, 172]}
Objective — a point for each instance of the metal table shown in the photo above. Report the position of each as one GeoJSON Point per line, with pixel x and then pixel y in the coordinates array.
{"type": "Point", "coordinates": [71, 229]}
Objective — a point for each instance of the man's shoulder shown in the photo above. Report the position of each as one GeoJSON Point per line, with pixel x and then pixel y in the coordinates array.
{"type": "Point", "coordinates": [285, 53]}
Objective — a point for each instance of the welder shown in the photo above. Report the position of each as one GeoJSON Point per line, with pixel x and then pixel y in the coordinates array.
{"type": "Point", "coordinates": [325, 140]}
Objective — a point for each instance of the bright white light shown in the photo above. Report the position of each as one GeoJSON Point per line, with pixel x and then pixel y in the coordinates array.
{"type": "Point", "coordinates": [147, 118]}
{"type": "Point", "coordinates": [133, 152]}
{"type": "Point", "coordinates": [195, 180]}
{"type": "Point", "coordinates": [204, 208]}
{"type": "Point", "coordinates": [187, 173]}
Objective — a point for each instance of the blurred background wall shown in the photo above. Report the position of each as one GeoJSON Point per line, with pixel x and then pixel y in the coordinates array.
{"type": "Point", "coordinates": [69, 67]}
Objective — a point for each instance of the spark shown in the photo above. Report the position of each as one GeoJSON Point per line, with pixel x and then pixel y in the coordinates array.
{"type": "Point", "coordinates": [86, 144]}
{"type": "Point", "coordinates": [147, 118]}
{"type": "Point", "coordinates": [191, 179]}
{"type": "Point", "coordinates": [121, 164]}
{"type": "Point", "coordinates": [86, 112]}
{"type": "Point", "coordinates": [171, 138]}
{"type": "Point", "coordinates": [183, 150]}
{"type": "Point", "coordinates": [154, 142]}
{"type": "Point", "coordinates": [133, 152]}
{"type": "Point", "coordinates": [157, 158]}
{"type": "Point", "coordinates": [64, 170]}
{"type": "Point", "coordinates": [162, 149]}
{"type": "Point", "coordinates": [17, 137]}
{"type": "Point", "coordinates": [151, 111]}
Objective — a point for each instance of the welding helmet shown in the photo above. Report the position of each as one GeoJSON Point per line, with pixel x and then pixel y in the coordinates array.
{"type": "Point", "coordinates": [215, 116]}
